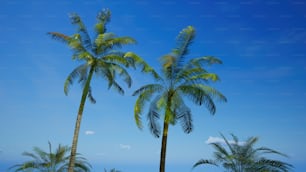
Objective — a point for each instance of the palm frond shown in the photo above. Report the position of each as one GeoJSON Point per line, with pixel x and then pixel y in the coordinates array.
{"type": "Point", "coordinates": [186, 120]}
{"type": "Point", "coordinates": [184, 75]}
{"type": "Point", "coordinates": [204, 162]}
{"type": "Point", "coordinates": [79, 72]}
{"type": "Point", "coordinates": [134, 60]}
{"type": "Point", "coordinates": [116, 57]}
{"type": "Point", "coordinates": [213, 93]}
{"type": "Point", "coordinates": [184, 40]}
{"type": "Point", "coordinates": [60, 37]}
{"type": "Point", "coordinates": [106, 45]}
{"type": "Point", "coordinates": [85, 38]}
{"type": "Point", "coordinates": [198, 96]}
{"type": "Point", "coordinates": [272, 165]}
{"type": "Point", "coordinates": [229, 145]}
{"type": "Point", "coordinates": [115, 70]}
{"type": "Point", "coordinates": [144, 94]}
{"type": "Point", "coordinates": [90, 97]}
{"type": "Point", "coordinates": [220, 152]}
{"type": "Point", "coordinates": [181, 113]}
{"type": "Point", "coordinates": [100, 43]}
{"type": "Point", "coordinates": [205, 77]}
{"type": "Point", "coordinates": [206, 60]}
{"type": "Point", "coordinates": [149, 88]}
{"type": "Point", "coordinates": [169, 66]}
{"type": "Point", "coordinates": [103, 18]}
{"type": "Point", "coordinates": [117, 87]}
{"type": "Point", "coordinates": [153, 116]}
{"type": "Point", "coordinates": [265, 150]}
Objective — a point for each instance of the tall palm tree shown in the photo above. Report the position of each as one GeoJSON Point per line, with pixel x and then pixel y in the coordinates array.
{"type": "Point", "coordinates": [51, 162]}
{"type": "Point", "coordinates": [178, 80]}
{"type": "Point", "coordinates": [243, 157]}
{"type": "Point", "coordinates": [100, 57]}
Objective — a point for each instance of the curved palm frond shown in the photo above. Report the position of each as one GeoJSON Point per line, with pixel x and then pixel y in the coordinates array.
{"type": "Point", "coordinates": [134, 60]}
{"type": "Point", "coordinates": [120, 71]}
{"type": "Point", "coordinates": [154, 115]}
{"type": "Point", "coordinates": [116, 57]}
{"type": "Point", "coordinates": [184, 75]}
{"type": "Point", "coordinates": [206, 77]}
{"type": "Point", "coordinates": [271, 165]}
{"type": "Point", "coordinates": [184, 40]}
{"type": "Point", "coordinates": [59, 36]}
{"type": "Point", "coordinates": [90, 97]}
{"type": "Point", "coordinates": [109, 41]}
{"type": "Point", "coordinates": [213, 93]}
{"type": "Point", "coordinates": [103, 17]}
{"type": "Point", "coordinates": [79, 72]}
{"type": "Point", "coordinates": [182, 113]}
{"type": "Point", "coordinates": [265, 150]}
{"type": "Point", "coordinates": [84, 36]}
{"type": "Point", "coordinates": [169, 67]}
{"type": "Point", "coordinates": [204, 162]}
{"type": "Point", "coordinates": [144, 95]}
{"type": "Point", "coordinates": [198, 96]}
{"type": "Point", "coordinates": [206, 60]}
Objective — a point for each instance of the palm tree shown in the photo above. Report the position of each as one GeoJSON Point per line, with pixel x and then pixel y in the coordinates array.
{"type": "Point", "coordinates": [178, 79]}
{"type": "Point", "coordinates": [51, 162]}
{"type": "Point", "coordinates": [243, 157]}
{"type": "Point", "coordinates": [100, 57]}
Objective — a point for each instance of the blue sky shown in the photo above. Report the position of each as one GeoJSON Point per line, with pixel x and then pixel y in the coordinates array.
{"type": "Point", "coordinates": [261, 43]}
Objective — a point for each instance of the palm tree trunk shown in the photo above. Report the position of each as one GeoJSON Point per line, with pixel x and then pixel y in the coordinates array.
{"type": "Point", "coordinates": [78, 122]}
{"type": "Point", "coordinates": [164, 147]}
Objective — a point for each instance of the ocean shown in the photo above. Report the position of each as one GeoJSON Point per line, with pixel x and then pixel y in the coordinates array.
{"type": "Point", "coordinates": [301, 167]}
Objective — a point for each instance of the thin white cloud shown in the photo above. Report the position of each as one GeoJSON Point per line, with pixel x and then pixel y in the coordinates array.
{"type": "Point", "coordinates": [89, 132]}
{"type": "Point", "coordinates": [220, 140]}
{"type": "Point", "coordinates": [214, 140]}
{"type": "Point", "coordinates": [125, 147]}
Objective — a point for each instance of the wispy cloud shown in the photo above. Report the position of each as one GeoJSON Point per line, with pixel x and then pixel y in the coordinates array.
{"type": "Point", "coordinates": [89, 132]}
{"type": "Point", "coordinates": [220, 140]}
{"type": "Point", "coordinates": [125, 147]}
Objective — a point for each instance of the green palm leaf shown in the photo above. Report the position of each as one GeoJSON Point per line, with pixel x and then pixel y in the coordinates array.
{"type": "Point", "coordinates": [204, 162]}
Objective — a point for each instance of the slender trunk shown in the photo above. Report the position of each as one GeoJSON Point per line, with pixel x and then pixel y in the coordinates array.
{"type": "Point", "coordinates": [78, 122]}
{"type": "Point", "coordinates": [167, 119]}
{"type": "Point", "coordinates": [164, 147]}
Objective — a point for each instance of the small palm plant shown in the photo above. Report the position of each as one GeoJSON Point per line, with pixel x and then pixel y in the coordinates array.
{"type": "Point", "coordinates": [51, 161]}
{"type": "Point", "coordinates": [243, 157]}
{"type": "Point", "coordinates": [179, 79]}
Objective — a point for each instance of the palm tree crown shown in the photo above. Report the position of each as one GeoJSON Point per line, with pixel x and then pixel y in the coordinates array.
{"type": "Point", "coordinates": [179, 79]}
{"type": "Point", "coordinates": [243, 157]}
{"type": "Point", "coordinates": [51, 161]}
